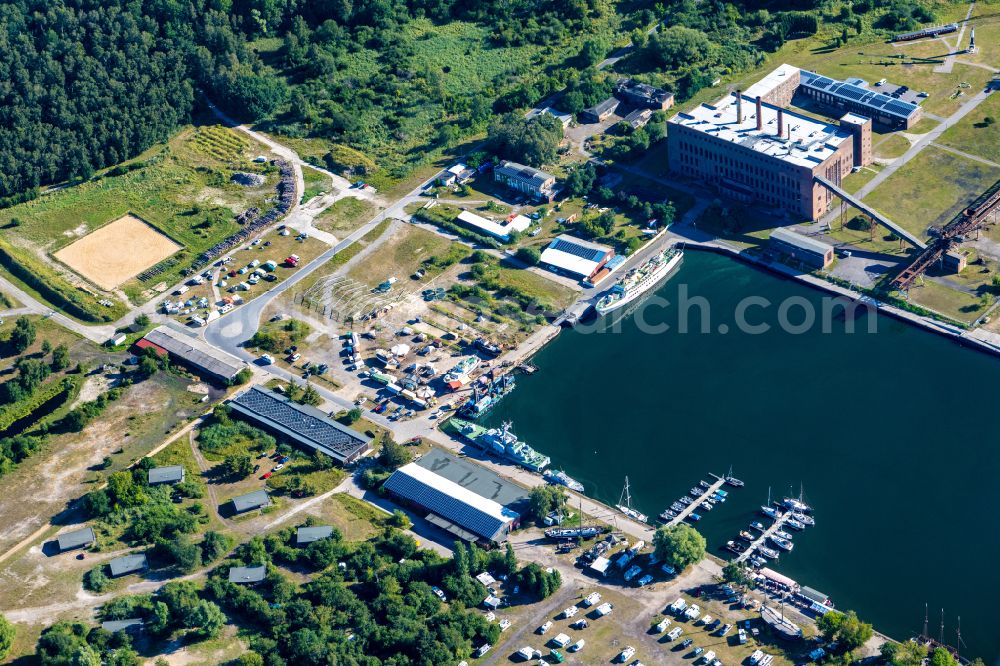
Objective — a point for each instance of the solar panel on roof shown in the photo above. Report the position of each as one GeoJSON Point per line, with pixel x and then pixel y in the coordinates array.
{"type": "Point", "coordinates": [900, 107]}
{"type": "Point", "coordinates": [577, 250]}
{"type": "Point", "coordinates": [444, 505]}
{"type": "Point", "coordinates": [321, 431]}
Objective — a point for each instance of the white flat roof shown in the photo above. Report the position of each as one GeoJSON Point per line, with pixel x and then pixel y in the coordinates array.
{"type": "Point", "coordinates": [568, 262]}
{"type": "Point", "coordinates": [808, 142]}
{"type": "Point", "coordinates": [771, 81]}
{"type": "Point", "coordinates": [496, 229]}
{"type": "Point", "coordinates": [464, 495]}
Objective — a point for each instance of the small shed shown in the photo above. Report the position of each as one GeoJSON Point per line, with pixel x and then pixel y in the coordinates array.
{"type": "Point", "coordinates": [251, 501]}
{"type": "Point", "coordinates": [159, 475]}
{"type": "Point", "coordinates": [307, 535]}
{"type": "Point", "coordinates": [599, 111]}
{"type": "Point", "coordinates": [127, 564]}
{"type": "Point", "coordinates": [80, 538]}
{"type": "Point", "coordinates": [248, 575]}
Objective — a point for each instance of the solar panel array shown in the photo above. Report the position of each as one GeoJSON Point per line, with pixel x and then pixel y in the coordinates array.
{"type": "Point", "coordinates": [319, 432]}
{"type": "Point", "coordinates": [868, 98]}
{"type": "Point", "coordinates": [444, 505]}
{"type": "Point", "coordinates": [577, 250]}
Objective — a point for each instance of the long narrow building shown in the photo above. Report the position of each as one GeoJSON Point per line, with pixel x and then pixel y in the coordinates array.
{"type": "Point", "coordinates": [752, 149]}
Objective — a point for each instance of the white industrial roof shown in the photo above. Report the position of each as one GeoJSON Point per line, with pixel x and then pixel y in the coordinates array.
{"type": "Point", "coordinates": [574, 255]}
{"type": "Point", "coordinates": [771, 81]}
{"type": "Point", "coordinates": [457, 492]}
{"type": "Point", "coordinates": [496, 229]}
{"type": "Point", "coordinates": [807, 142]}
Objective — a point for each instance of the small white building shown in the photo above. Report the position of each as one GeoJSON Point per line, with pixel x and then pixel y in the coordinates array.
{"type": "Point", "coordinates": [498, 230]}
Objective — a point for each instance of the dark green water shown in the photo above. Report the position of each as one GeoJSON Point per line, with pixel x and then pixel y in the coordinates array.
{"type": "Point", "coordinates": [893, 436]}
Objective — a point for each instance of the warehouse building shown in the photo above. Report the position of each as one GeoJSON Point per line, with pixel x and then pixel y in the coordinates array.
{"type": "Point", "coordinates": [600, 111]}
{"type": "Point", "coordinates": [160, 475]}
{"type": "Point", "coordinates": [195, 353]}
{"type": "Point", "coordinates": [307, 535]}
{"type": "Point", "coordinates": [127, 564]}
{"type": "Point", "coordinates": [301, 424]}
{"type": "Point", "coordinates": [463, 498]}
{"type": "Point", "coordinates": [499, 230]}
{"type": "Point", "coordinates": [754, 151]}
{"type": "Point", "coordinates": [258, 499]}
{"type": "Point", "coordinates": [80, 538]}
{"type": "Point", "coordinates": [885, 110]}
{"type": "Point", "coordinates": [537, 184]}
{"type": "Point", "coordinates": [643, 95]}
{"type": "Point", "coordinates": [131, 626]}
{"type": "Point", "coordinates": [248, 575]}
{"type": "Point", "coordinates": [576, 257]}
{"type": "Point", "coordinates": [801, 249]}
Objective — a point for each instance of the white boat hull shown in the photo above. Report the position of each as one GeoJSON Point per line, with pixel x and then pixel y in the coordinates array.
{"type": "Point", "coordinates": [636, 293]}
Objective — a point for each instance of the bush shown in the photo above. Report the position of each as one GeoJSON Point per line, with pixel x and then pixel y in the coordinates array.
{"type": "Point", "coordinates": [96, 580]}
{"type": "Point", "coordinates": [528, 255]}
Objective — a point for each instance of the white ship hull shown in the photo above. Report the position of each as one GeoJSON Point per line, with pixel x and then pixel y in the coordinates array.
{"type": "Point", "coordinates": [638, 290]}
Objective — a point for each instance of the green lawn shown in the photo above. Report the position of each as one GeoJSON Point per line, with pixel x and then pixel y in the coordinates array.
{"type": "Point", "coordinates": [958, 305]}
{"type": "Point", "coordinates": [400, 256]}
{"type": "Point", "coordinates": [891, 146]}
{"type": "Point", "coordinates": [931, 188]}
{"type": "Point", "coordinates": [855, 181]}
{"type": "Point", "coordinates": [345, 215]}
{"type": "Point", "coordinates": [974, 135]}
{"type": "Point", "coordinates": [316, 183]}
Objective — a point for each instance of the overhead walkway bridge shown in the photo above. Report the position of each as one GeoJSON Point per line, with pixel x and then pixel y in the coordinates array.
{"type": "Point", "coordinates": [872, 213]}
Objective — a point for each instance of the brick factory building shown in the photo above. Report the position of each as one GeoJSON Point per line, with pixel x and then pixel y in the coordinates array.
{"type": "Point", "coordinates": [753, 150]}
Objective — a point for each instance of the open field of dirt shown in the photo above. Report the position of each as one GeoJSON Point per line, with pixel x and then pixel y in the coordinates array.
{"type": "Point", "coordinates": [117, 251]}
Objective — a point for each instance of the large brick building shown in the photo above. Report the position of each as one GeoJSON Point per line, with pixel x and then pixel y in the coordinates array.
{"type": "Point", "coordinates": [752, 149]}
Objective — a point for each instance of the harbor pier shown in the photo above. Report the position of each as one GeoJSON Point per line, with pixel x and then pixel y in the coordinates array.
{"type": "Point", "coordinates": [762, 540]}
{"type": "Point", "coordinates": [717, 483]}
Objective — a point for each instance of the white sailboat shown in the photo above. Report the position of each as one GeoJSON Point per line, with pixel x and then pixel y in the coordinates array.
{"type": "Point", "coordinates": [625, 505]}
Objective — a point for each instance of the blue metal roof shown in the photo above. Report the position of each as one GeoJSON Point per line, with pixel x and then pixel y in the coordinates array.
{"type": "Point", "coordinates": [458, 511]}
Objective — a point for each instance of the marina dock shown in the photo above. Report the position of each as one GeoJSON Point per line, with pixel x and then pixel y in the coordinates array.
{"type": "Point", "coordinates": [762, 540]}
{"type": "Point", "coordinates": [695, 505]}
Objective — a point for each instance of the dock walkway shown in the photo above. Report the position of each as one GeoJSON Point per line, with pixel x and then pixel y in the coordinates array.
{"type": "Point", "coordinates": [763, 537]}
{"type": "Point", "coordinates": [689, 509]}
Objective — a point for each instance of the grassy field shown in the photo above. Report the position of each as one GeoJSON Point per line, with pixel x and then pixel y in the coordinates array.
{"type": "Point", "coordinates": [855, 181]}
{"type": "Point", "coordinates": [345, 216]}
{"type": "Point", "coordinates": [316, 183]}
{"type": "Point", "coordinates": [891, 146]}
{"type": "Point", "coordinates": [918, 196]}
{"type": "Point", "coordinates": [974, 135]}
{"type": "Point", "coordinates": [941, 298]}
{"type": "Point", "coordinates": [182, 188]}
{"type": "Point", "coordinates": [400, 256]}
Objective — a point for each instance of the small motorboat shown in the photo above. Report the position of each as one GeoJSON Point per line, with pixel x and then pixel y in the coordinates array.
{"type": "Point", "coordinates": [676, 506]}
{"type": "Point", "coordinates": [757, 525]}
{"type": "Point", "coordinates": [696, 492]}
{"type": "Point", "coordinates": [758, 561]}
{"type": "Point", "coordinates": [794, 524]}
{"type": "Point", "coordinates": [746, 536]}
{"type": "Point", "coordinates": [783, 544]}
{"type": "Point", "coordinates": [693, 517]}
{"type": "Point", "coordinates": [704, 484]}
{"type": "Point", "coordinates": [707, 506]}
{"type": "Point", "coordinates": [735, 546]}
{"type": "Point", "coordinates": [784, 535]}
{"type": "Point", "coordinates": [768, 553]}
{"type": "Point", "coordinates": [685, 500]}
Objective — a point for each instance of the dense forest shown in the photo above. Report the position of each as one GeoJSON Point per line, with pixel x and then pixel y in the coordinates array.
{"type": "Point", "coordinates": [89, 83]}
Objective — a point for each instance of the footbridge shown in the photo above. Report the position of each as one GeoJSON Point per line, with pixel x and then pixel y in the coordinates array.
{"type": "Point", "coordinates": [872, 213]}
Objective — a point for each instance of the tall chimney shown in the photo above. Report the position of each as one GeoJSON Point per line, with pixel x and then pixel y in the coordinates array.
{"type": "Point", "coordinates": [760, 118]}
{"type": "Point", "coordinates": [781, 124]}
{"type": "Point", "coordinates": [739, 107]}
